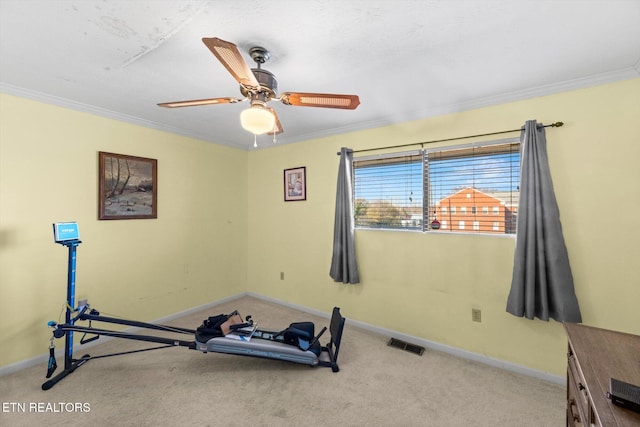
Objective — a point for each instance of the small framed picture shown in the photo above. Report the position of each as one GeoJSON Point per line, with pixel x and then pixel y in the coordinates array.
{"type": "Point", "coordinates": [295, 184]}
{"type": "Point", "coordinates": [127, 187]}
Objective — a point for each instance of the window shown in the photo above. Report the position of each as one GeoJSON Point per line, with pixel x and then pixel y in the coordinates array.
{"type": "Point", "coordinates": [411, 190]}
{"type": "Point", "coordinates": [388, 192]}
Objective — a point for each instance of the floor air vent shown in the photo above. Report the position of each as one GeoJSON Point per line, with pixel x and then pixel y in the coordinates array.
{"type": "Point", "coordinates": [412, 348]}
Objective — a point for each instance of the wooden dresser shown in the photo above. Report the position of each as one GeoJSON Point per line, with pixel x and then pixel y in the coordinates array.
{"type": "Point", "coordinates": [596, 355]}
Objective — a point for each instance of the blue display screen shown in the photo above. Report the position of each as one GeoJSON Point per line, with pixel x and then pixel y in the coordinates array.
{"type": "Point", "coordinates": [65, 231]}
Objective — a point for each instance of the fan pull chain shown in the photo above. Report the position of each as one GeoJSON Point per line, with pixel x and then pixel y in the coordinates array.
{"type": "Point", "coordinates": [255, 141]}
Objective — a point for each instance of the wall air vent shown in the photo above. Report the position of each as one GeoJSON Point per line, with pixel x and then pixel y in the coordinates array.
{"type": "Point", "coordinates": [403, 345]}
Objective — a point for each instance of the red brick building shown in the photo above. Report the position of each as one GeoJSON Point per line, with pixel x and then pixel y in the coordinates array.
{"type": "Point", "coordinates": [471, 210]}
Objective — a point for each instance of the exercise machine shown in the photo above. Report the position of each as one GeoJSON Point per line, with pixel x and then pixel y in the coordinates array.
{"type": "Point", "coordinates": [223, 333]}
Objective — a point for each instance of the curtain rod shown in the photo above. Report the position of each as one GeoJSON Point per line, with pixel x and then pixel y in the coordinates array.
{"type": "Point", "coordinates": [554, 125]}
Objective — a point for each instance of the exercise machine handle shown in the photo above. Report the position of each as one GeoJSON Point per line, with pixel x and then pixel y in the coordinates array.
{"type": "Point", "coordinates": [53, 365]}
{"type": "Point", "coordinates": [317, 337]}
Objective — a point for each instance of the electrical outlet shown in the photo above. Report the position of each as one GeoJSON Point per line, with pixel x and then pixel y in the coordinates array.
{"type": "Point", "coordinates": [282, 275]}
{"type": "Point", "coordinates": [82, 302]}
{"type": "Point", "coordinates": [476, 315]}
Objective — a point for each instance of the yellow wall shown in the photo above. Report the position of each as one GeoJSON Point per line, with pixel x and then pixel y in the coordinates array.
{"type": "Point", "coordinates": [217, 236]}
{"type": "Point", "coordinates": [193, 254]}
{"type": "Point", "coordinates": [416, 283]}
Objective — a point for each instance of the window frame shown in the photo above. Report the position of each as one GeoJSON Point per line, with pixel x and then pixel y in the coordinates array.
{"type": "Point", "coordinates": [449, 152]}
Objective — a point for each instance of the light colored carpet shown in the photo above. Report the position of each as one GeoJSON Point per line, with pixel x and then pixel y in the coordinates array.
{"type": "Point", "coordinates": [377, 386]}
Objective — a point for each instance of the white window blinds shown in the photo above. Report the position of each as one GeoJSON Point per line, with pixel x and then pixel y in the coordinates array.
{"type": "Point", "coordinates": [474, 184]}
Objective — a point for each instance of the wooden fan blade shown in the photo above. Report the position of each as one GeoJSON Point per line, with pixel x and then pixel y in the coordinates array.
{"type": "Point", "coordinates": [229, 55]}
{"type": "Point", "coordinates": [325, 100]}
{"type": "Point", "coordinates": [196, 102]}
{"type": "Point", "coordinates": [277, 127]}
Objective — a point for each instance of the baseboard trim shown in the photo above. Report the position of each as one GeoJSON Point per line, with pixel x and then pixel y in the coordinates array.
{"type": "Point", "coordinates": [454, 351]}
{"type": "Point", "coordinates": [465, 354]}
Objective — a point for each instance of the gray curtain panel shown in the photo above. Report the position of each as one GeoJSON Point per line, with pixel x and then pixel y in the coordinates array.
{"type": "Point", "coordinates": [542, 283]}
{"type": "Point", "coordinates": [344, 267]}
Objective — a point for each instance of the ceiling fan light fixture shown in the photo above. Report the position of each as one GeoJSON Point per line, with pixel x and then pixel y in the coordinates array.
{"type": "Point", "coordinates": [259, 86]}
{"type": "Point", "coordinates": [257, 120]}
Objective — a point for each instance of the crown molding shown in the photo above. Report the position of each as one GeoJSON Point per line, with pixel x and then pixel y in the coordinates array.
{"type": "Point", "coordinates": [534, 92]}
{"type": "Point", "coordinates": [102, 112]}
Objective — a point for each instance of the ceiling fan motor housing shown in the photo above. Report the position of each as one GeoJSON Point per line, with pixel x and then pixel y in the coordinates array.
{"type": "Point", "coordinates": [267, 81]}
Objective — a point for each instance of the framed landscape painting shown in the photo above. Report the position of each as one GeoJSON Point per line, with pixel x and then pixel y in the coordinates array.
{"type": "Point", "coordinates": [127, 187]}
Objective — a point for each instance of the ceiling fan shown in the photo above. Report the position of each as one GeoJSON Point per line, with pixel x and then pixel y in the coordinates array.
{"type": "Point", "coordinates": [259, 86]}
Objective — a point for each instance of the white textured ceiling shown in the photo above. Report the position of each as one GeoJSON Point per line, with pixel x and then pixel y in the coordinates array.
{"type": "Point", "coordinates": [406, 59]}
